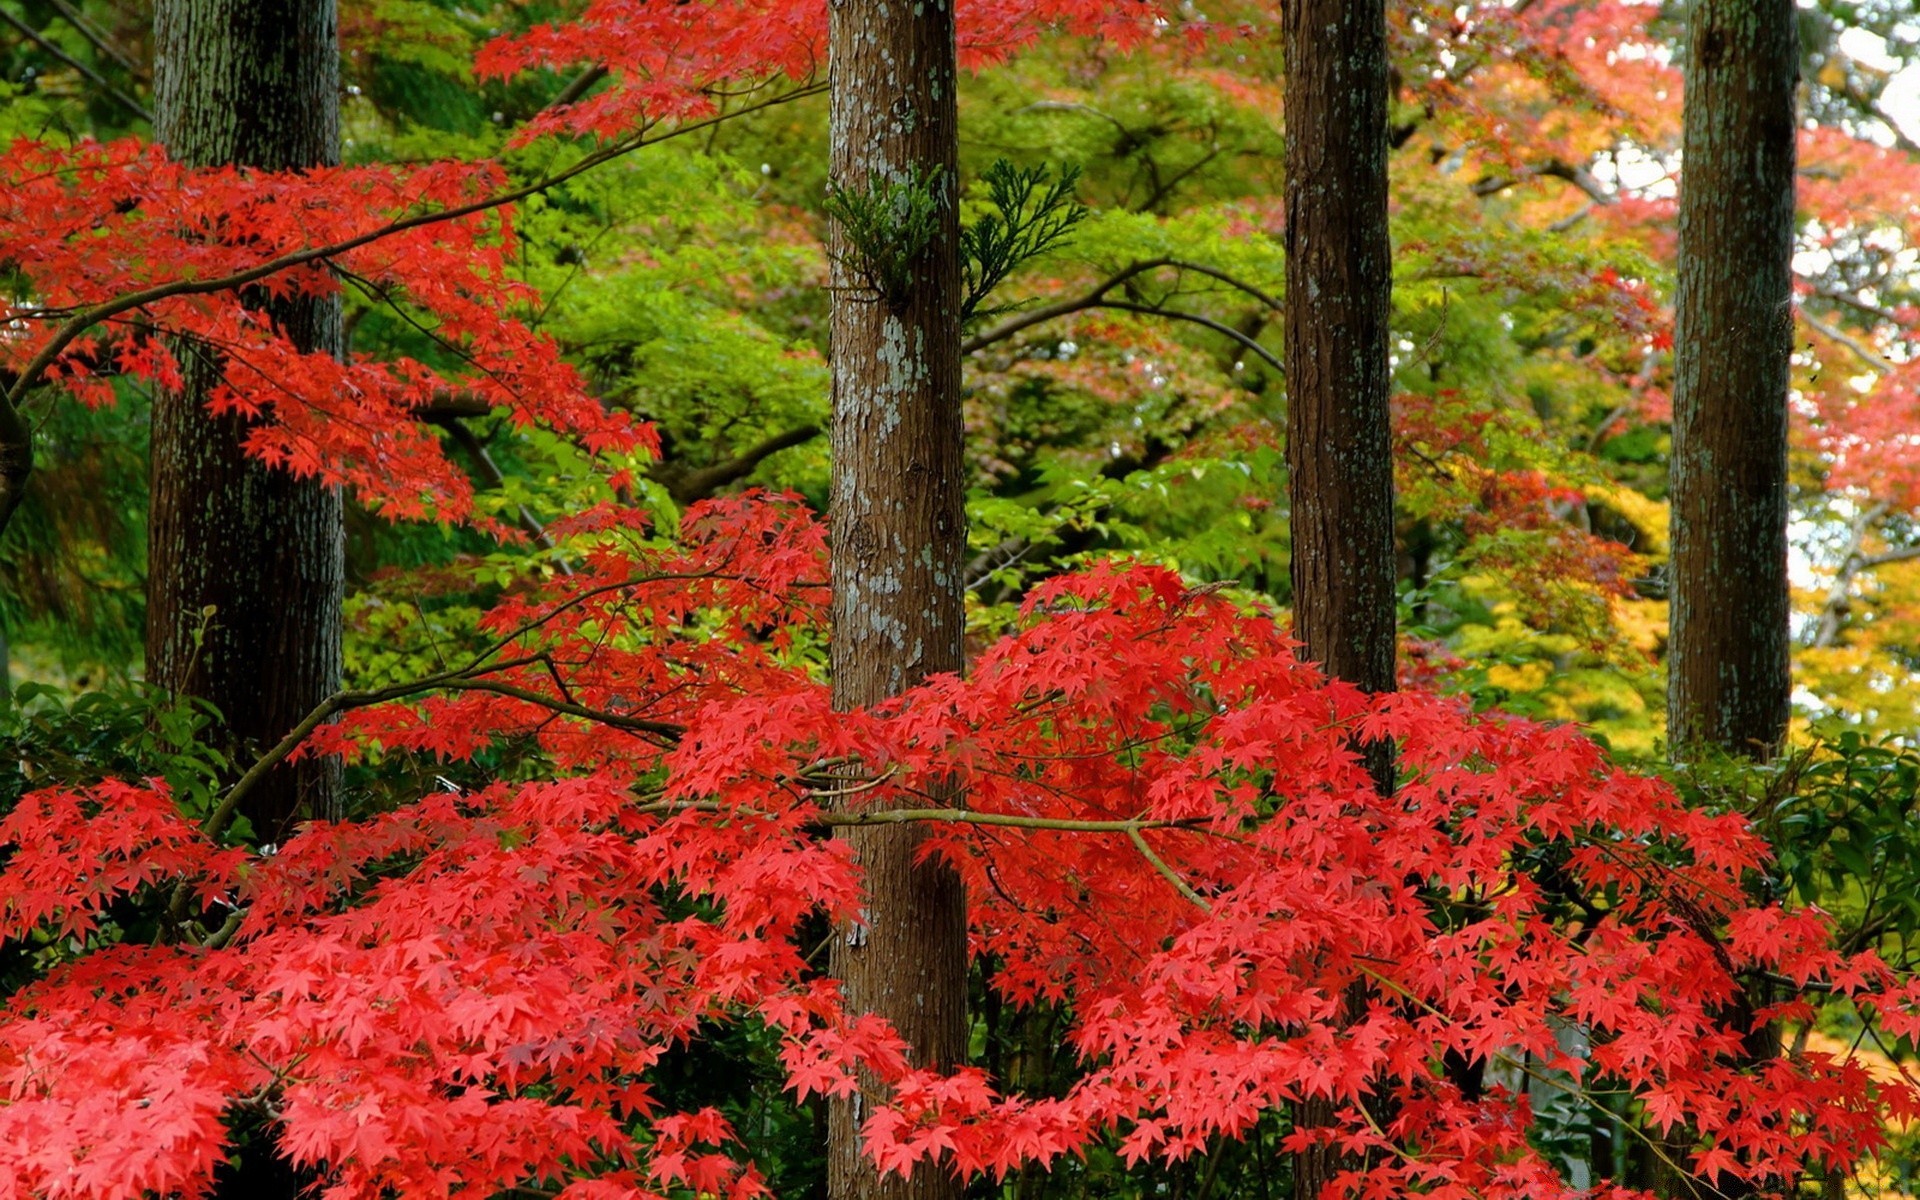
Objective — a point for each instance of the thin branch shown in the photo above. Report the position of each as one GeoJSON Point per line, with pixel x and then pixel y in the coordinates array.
{"type": "Point", "coordinates": [339, 702]}
{"type": "Point", "coordinates": [1877, 364]}
{"type": "Point", "coordinates": [97, 39]}
{"type": "Point", "coordinates": [1098, 298]}
{"type": "Point", "coordinates": [962, 816]}
{"type": "Point", "coordinates": [94, 77]}
{"type": "Point", "coordinates": [581, 85]}
{"type": "Point", "coordinates": [1226, 331]}
{"type": "Point", "coordinates": [490, 473]}
{"type": "Point", "coordinates": [1160, 864]}
{"type": "Point", "coordinates": [1877, 312]}
{"type": "Point", "coordinates": [621, 721]}
{"type": "Point", "coordinates": [1095, 298]}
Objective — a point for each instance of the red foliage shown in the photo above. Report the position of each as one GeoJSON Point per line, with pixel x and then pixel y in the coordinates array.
{"type": "Point", "coordinates": [1165, 828]}
{"type": "Point", "coordinates": [666, 59]}
{"type": "Point", "coordinates": [93, 225]}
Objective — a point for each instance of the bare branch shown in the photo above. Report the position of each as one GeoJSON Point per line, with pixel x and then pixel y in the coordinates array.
{"type": "Point", "coordinates": [1097, 298]}
{"type": "Point", "coordinates": [94, 77]}
{"type": "Point", "coordinates": [698, 483]}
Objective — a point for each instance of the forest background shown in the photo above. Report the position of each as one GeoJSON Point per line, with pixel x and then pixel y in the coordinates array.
{"type": "Point", "coordinates": [1125, 402]}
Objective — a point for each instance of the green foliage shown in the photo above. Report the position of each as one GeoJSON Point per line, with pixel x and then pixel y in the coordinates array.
{"type": "Point", "coordinates": [886, 228]}
{"type": "Point", "coordinates": [73, 561]}
{"type": "Point", "coordinates": [53, 738]}
{"type": "Point", "coordinates": [1840, 814]}
{"type": "Point", "coordinates": [1029, 214]}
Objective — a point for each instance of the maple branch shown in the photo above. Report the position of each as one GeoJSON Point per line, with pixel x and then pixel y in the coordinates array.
{"type": "Point", "coordinates": [1553, 168]}
{"type": "Point", "coordinates": [1227, 331]}
{"type": "Point", "coordinates": [1876, 311]}
{"type": "Point", "coordinates": [1865, 353]}
{"type": "Point", "coordinates": [16, 453]}
{"type": "Point", "coordinates": [490, 472]}
{"type": "Point", "coordinates": [465, 678]}
{"type": "Point", "coordinates": [1160, 864]}
{"type": "Point", "coordinates": [630, 724]}
{"type": "Point", "coordinates": [581, 85]}
{"type": "Point", "coordinates": [94, 77]}
{"type": "Point", "coordinates": [941, 816]}
{"type": "Point", "coordinates": [963, 816]}
{"type": "Point", "coordinates": [1098, 298]}
{"type": "Point", "coordinates": [333, 705]}
{"type": "Point", "coordinates": [699, 483]}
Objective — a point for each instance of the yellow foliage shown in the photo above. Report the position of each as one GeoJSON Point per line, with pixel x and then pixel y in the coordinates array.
{"type": "Point", "coordinates": [1525, 677]}
{"type": "Point", "coordinates": [1642, 623]}
{"type": "Point", "coordinates": [1647, 515]}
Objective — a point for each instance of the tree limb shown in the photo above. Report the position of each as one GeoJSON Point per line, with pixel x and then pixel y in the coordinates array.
{"type": "Point", "coordinates": [92, 76]}
{"type": "Point", "coordinates": [97, 39]}
{"type": "Point", "coordinates": [1097, 298]}
{"type": "Point", "coordinates": [687, 485]}
{"type": "Point", "coordinates": [490, 473]}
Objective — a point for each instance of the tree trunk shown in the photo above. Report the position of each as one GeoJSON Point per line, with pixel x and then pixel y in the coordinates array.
{"type": "Point", "coordinates": [246, 564]}
{"type": "Point", "coordinates": [899, 529]}
{"type": "Point", "coordinates": [1338, 306]}
{"type": "Point", "coordinates": [1727, 665]}
{"type": "Point", "coordinates": [1729, 679]}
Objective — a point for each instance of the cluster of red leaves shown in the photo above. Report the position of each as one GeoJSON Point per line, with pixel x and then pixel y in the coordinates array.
{"type": "Point", "coordinates": [1166, 830]}
{"type": "Point", "coordinates": [89, 226]}
{"type": "Point", "coordinates": [1527, 84]}
{"type": "Point", "coordinates": [1869, 442]}
{"type": "Point", "coordinates": [666, 60]}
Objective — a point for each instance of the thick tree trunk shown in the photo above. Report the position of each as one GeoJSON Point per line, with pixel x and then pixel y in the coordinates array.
{"type": "Point", "coordinates": [1727, 664]}
{"type": "Point", "coordinates": [245, 564]}
{"type": "Point", "coordinates": [899, 529]}
{"type": "Point", "coordinates": [1338, 306]}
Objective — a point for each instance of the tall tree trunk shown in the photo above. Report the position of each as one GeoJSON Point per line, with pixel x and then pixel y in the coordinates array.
{"type": "Point", "coordinates": [1727, 661]}
{"type": "Point", "coordinates": [1729, 677]}
{"type": "Point", "coordinates": [1338, 306]}
{"type": "Point", "coordinates": [245, 565]}
{"type": "Point", "coordinates": [899, 528]}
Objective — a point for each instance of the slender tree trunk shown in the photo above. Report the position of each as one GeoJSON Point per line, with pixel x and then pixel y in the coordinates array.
{"type": "Point", "coordinates": [1338, 305]}
{"type": "Point", "coordinates": [1727, 665]}
{"type": "Point", "coordinates": [1729, 679]}
{"type": "Point", "coordinates": [899, 530]}
{"type": "Point", "coordinates": [245, 564]}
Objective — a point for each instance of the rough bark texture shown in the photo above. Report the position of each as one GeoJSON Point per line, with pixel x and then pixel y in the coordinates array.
{"type": "Point", "coordinates": [1338, 304]}
{"type": "Point", "coordinates": [1729, 682]}
{"type": "Point", "coordinates": [251, 83]}
{"type": "Point", "coordinates": [899, 534]}
{"type": "Point", "coordinates": [1339, 280]}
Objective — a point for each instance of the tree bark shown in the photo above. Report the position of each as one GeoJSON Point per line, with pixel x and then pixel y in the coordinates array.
{"type": "Point", "coordinates": [1338, 308]}
{"type": "Point", "coordinates": [1728, 675]}
{"type": "Point", "coordinates": [246, 564]}
{"type": "Point", "coordinates": [899, 531]}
